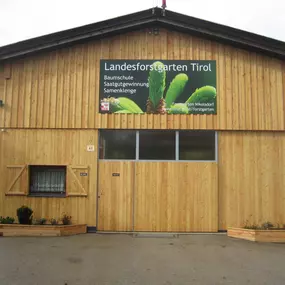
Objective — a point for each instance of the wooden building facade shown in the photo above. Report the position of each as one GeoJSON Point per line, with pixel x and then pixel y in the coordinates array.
{"type": "Point", "coordinates": [50, 92]}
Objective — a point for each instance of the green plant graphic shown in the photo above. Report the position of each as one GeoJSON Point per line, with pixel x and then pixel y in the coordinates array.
{"type": "Point", "coordinates": [175, 89]}
{"type": "Point", "coordinates": [178, 108]}
{"type": "Point", "coordinates": [205, 94]}
{"type": "Point", "coordinates": [157, 76]}
{"type": "Point", "coordinates": [162, 101]}
{"type": "Point", "coordinates": [123, 105]}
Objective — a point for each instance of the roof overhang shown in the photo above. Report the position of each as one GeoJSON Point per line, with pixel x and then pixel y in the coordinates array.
{"type": "Point", "coordinates": [145, 19]}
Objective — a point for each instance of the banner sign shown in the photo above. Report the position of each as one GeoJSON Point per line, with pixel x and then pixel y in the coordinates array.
{"type": "Point", "coordinates": [158, 87]}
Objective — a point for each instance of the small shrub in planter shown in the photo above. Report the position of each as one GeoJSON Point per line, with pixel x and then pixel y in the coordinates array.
{"type": "Point", "coordinates": [25, 215]}
{"type": "Point", "coordinates": [66, 220]}
{"type": "Point", "coordinates": [7, 220]}
{"type": "Point", "coordinates": [53, 222]}
{"type": "Point", "coordinates": [264, 226]}
{"type": "Point", "coordinates": [249, 226]}
{"type": "Point", "coordinates": [41, 221]}
{"type": "Point", "coordinates": [267, 226]}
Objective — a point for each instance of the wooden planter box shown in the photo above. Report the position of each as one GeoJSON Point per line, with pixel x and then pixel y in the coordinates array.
{"type": "Point", "coordinates": [41, 230]}
{"type": "Point", "coordinates": [257, 235]}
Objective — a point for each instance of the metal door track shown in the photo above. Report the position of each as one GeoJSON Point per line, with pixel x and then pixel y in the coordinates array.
{"type": "Point", "coordinates": [160, 234]}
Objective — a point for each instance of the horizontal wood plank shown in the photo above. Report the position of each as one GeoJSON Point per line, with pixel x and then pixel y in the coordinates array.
{"type": "Point", "coordinates": [14, 230]}
{"type": "Point", "coordinates": [269, 235]}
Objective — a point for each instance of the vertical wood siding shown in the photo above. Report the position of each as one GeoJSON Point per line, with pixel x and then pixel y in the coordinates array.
{"type": "Point", "coordinates": [116, 194]}
{"type": "Point", "coordinates": [158, 196]}
{"type": "Point", "coordinates": [251, 178]}
{"type": "Point", "coordinates": [50, 147]}
{"type": "Point", "coordinates": [60, 89]}
{"type": "Point", "coordinates": [176, 197]}
{"type": "Point", "coordinates": [247, 183]}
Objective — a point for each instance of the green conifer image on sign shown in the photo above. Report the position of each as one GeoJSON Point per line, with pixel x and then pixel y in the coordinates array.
{"type": "Point", "coordinates": [158, 87]}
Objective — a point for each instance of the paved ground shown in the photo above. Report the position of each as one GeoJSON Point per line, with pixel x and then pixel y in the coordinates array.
{"type": "Point", "coordinates": [121, 259]}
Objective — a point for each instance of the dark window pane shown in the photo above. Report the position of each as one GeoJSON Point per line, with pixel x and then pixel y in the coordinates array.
{"type": "Point", "coordinates": [157, 145]}
{"type": "Point", "coordinates": [117, 144]}
{"type": "Point", "coordinates": [47, 179]}
{"type": "Point", "coordinates": [197, 145]}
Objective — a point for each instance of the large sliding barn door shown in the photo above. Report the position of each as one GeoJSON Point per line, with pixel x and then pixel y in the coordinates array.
{"type": "Point", "coordinates": [115, 195]}
{"type": "Point", "coordinates": [176, 197]}
{"type": "Point", "coordinates": [158, 196]}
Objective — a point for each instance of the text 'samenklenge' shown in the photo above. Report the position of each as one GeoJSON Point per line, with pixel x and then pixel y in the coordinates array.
{"type": "Point", "coordinates": [158, 87]}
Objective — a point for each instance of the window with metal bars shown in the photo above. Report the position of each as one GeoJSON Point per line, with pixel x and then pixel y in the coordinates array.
{"type": "Point", "coordinates": [47, 180]}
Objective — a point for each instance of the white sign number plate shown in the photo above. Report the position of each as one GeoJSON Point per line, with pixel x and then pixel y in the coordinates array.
{"type": "Point", "coordinates": [90, 148]}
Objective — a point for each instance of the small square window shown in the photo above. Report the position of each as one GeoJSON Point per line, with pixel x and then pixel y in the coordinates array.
{"type": "Point", "coordinates": [197, 145]}
{"type": "Point", "coordinates": [47, 180]}
{"type": "Point", "coordinates": [117, 144]}
{"type": "Point", "coordinates": [157, 145]}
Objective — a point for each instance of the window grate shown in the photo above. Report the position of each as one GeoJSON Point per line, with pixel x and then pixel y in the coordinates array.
{"type": "Point", "coordinates": [47, 180]}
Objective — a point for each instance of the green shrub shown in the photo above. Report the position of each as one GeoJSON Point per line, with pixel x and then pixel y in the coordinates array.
{"type": "Point", "coordinates": [53, 221]}
{"type": "Point", "coordinates": [41, 221]}
{"type": "Point", "coordinates": [7, 220]}
{"type": "Point", "coordinates": [66, 220]}
{"type": "Point", "coordinates": [25, 215]}
{"type": "Point", "coordinates": [267, 225]}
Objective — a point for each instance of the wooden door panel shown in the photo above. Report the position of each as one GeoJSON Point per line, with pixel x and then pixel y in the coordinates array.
{"type": "Point", "coordinates": [115, 195]}
{"type": "Point", "coordinates": [176, 197]}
